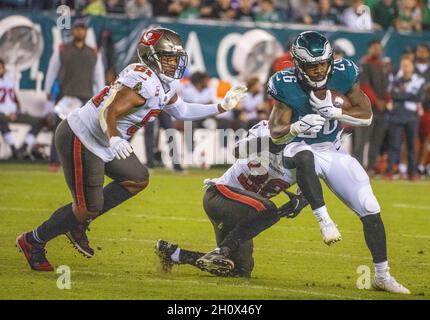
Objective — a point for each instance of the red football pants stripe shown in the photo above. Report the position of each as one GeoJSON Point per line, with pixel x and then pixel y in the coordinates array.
{"type": "Point", "coordinates": [79, 174]}
{"type": "Point", "coordinates": [257, 205]}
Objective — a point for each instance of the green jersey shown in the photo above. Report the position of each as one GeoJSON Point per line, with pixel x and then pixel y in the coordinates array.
{"type": "Point", "coordinates": [284, 87]}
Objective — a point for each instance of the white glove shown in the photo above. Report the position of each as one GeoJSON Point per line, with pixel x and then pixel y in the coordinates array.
{"type": "Point", "coordinates": [310, 123]}
{"type": "Point", "coordinates": [325, 107]}
{"type": "Point", "coordinates": [120, 147]}
{"type": "Point", "coordinates": [233, 97]}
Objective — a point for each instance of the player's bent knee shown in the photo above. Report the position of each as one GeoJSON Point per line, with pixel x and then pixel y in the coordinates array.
{"type": "Point", "coordinates": [135, 187]}
{"type": "Point", "coordinates": [304, 159]}
{"type": "Point", "coordinates": [369, 205]}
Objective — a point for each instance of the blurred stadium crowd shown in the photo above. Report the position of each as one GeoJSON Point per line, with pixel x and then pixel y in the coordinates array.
{"type": "Point", "coordinates": [402, 15]}
{"type": "Point", "coordinates": [396, 145]}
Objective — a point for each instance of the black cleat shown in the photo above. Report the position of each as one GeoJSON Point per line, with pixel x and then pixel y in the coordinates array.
{"type": "Point", "coordinates": [216, 263]}
{"type": "Point", "coordinates": [164, 250]}
{"type": "Point", "coordinates": [79, 240]}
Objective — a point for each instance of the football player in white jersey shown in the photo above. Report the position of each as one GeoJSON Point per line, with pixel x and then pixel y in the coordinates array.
{"type": "Point", "coordinates": [239, 207]}
{"type": "Point", "coordinates": [10, 110]}
{"type": "Point", "coordinates": [94, 141]}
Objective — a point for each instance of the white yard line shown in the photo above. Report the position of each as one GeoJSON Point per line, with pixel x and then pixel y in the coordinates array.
{"type": "Point", "coordinates": [410, 206]}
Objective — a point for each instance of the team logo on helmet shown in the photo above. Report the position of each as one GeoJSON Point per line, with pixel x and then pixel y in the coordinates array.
{"type": "Point", "coordinates": [151, 37]}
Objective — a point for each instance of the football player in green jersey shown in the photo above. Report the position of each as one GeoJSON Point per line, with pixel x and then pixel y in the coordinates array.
{"type": "Point", "coordinates": [315, 150]}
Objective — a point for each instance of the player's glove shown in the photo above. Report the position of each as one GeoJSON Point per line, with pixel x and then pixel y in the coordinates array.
{"type": "Point", "coordinates": [292, 208]}
{"type": "Point", "coordinates": [120, 147]}
{"type": "Point", "coordinates": [310, 123]}
{"type": "Point", "coordinates": [325, 107]}
{"type": "Point", "coordinates": [233, 97]}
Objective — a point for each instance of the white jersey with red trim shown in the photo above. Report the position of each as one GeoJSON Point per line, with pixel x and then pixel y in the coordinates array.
{"type": "Point", "coordinates": [7, 94]}
{"type": "Point", "coordinates": [253, 174]}
{"type": "Point", "coordinates": [85, 121]}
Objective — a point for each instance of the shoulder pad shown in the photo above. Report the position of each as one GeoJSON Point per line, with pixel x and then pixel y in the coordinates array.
{"type": "Point", "coordinates": [281, 83]}
{"type": "Point", "coordinates": [346, 74]}
{"type": "Point", "coordinates": [141, 79]}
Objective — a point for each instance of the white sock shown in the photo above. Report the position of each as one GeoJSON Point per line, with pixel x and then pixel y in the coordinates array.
{"type": "Point", "coordinates": [175, 255]}
{"type": "Point", "coordinates": [321, 214]}
{"type": "Point", "coordinates": [8, 138]}
{"type": "Point", "coordinates": [30, 139]}
{"type": "Point", "coordinates": [403, 168]}
{"type": "Point", "coordinates": [381, 269]}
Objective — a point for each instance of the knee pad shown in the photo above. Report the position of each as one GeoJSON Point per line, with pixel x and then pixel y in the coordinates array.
{"type": "Point", "coordinates": [135, 187]}
{"type": "Point", "coordinates": [368, 202]}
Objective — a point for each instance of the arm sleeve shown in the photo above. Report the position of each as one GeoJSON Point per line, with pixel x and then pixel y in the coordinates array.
{"type": "Point", "coordinates": [99, 75]}
{"type": "Point", "coordinates": [53, 68]}
{"type": "Point", "coordinates": [181, 110]}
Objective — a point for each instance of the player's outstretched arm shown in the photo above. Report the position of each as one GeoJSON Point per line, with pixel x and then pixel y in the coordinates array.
{"type": "Point", "coordinates": [182, 110]}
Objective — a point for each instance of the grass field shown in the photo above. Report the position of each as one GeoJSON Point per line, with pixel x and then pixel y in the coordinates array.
{"type": "Point", "coordinates": [291, 261]}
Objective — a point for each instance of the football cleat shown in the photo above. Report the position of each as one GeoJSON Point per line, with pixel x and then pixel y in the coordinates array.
{"type": "Point", "coordinates": [389, 284]}
{"type": "Point", "coordinates": [216, 263]}
{"type": "Point", "coordinates": [35, 255]}
{"type": "Point", "coordinates": [164, 251]}
{"type": "Point", "coordinates": [78, 238]}
{"type": "Point", "coordinates": [329, 232]}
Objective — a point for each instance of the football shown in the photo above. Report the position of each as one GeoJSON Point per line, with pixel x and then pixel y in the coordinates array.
{"type": "Point", "coordinates": [339, 100]}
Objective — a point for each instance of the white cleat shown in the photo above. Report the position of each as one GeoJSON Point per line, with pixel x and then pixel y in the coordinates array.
{"type": "Point", "coordinates": [329, 232]}
{"type": "Point", "coordinates": [389, 284]}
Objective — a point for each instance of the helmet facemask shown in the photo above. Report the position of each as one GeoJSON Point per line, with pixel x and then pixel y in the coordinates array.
{"type": "Point", "coordinates": [172, 65]}
{"type": "Point", "coordinates": [312, 82]}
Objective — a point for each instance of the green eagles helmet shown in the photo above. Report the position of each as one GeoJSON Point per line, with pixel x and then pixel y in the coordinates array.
{"type": "Point", "coordinates": [311, 47]}
{"type": "Point", "coordinates": [159, 43]}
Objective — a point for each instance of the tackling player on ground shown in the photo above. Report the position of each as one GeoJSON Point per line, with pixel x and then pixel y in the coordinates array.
{"type": "Point", "coordinates": [298, 110]}
{"type": "Point", "coordinates": [94, 141]}
{"type": "Point", "coordinates": [239, 207]}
